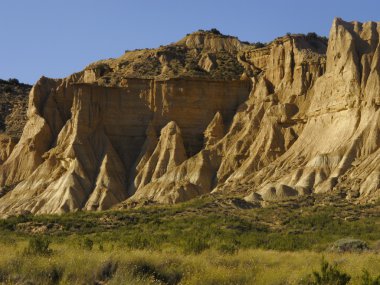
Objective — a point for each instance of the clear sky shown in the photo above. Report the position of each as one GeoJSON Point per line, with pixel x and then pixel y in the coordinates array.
{"type": "Point", "coordinates": [58, 37]}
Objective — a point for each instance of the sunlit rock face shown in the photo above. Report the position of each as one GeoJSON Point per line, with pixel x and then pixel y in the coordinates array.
{"type": "Point", "coordinates": [208, 113]}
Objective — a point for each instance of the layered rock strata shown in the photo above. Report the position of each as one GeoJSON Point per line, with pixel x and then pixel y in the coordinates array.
{"type": "Point", "coordinates": [208, 113]}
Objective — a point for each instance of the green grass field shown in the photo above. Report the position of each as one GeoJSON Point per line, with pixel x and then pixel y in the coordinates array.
{"type": "Point", "coordinates": [206, 241]}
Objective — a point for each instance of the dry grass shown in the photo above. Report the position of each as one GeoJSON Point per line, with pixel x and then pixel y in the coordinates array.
{"type": "Point", "coordinates": [70, 265]}
{"type": "Point", "coordinates": [200, 242]}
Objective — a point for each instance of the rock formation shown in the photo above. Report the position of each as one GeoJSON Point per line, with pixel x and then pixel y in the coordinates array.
{"type": "Point", "coordinates": [208, 113]}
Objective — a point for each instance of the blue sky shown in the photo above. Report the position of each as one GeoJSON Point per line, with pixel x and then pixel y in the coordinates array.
{"type": "Point", "coordinates": [55, 38]}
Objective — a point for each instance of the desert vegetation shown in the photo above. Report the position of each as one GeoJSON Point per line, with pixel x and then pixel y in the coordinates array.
{"type": "Point", "coordinates": [206, 241]}
{"type": "Point", "coordinates": [13, 104]}
{"type": "Point", "coordinates": [67, 262]}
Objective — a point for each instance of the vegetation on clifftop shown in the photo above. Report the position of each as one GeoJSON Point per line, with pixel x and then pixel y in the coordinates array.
{"type": "Point", "coordinates": [13, 106]}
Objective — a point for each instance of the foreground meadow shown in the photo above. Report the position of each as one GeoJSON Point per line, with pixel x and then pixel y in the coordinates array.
{"type": "Point", "coordinates": [69, 265]}
{"type": "Point", "coordinates": [209, 240]}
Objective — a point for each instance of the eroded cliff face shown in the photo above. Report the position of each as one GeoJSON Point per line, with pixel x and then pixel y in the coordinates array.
{"type": "Point", "coordinates": [340, 139]}
{"type": "Point", "coordinates": [85, 153]}
{"type": "Point", "coordinates": [165, 125]}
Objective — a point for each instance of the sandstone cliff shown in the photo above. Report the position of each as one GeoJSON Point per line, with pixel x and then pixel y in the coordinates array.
{"type": "Point", "coordinates": [208, 113]}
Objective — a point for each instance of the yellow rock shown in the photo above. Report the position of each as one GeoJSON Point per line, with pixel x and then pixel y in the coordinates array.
{"type": "Point", "coordinates": [207, 113]}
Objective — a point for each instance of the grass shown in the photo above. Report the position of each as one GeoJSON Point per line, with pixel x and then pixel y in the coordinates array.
{"type": "Point", "coordinates": [205, 241]}
{"type": "Point", "coordinates": [68, 265]}
{"type": "Point", "coordinates": [204, 223]}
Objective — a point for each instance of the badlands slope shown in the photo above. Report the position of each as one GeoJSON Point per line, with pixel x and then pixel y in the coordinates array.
{"type": "Point", "coordinates": [206, 114]}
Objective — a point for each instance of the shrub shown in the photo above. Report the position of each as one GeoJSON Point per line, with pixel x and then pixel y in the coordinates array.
{"type": "Point", "coordinates": [259, 45]}
{"type": "Point", "coordinates": [53, 274]}
{"type": "Point", "coordinates": [138, 241]}
{"type": "Point", "coordinates": [367, 279]}
{"type": "Point", "coordinates": [315, 36]}
{"type": "Point", "coordinates": [330, 275]}
{"type": "Point", "coordinates": [166, 273]}
{"type": "Point", "coordinates": [87, 243]}
{"type": "Point", "coordinates": [3, 276]}
{"type": "Point", "coordinates": [8, 89]}
{"type": "Point", "coordinates": [215, 31]}
{"type": "Point", "coordinates": [229, 248]}
{"type": "Point", "coordinates": [106, 270]}
{"type": "Point", "coordinates": [312, 35]}
{"type": "Point", "coordinates": [349, 245]}
{"type": "Point", "coordinates": [196, 245]}
{"type": "Point", "coordinates": [13, 81]}
{"type": "Point", "coordinates": [39, 246]}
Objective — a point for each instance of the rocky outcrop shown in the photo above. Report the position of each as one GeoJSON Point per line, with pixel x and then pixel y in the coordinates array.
{"type": "Point", "coordinates": [7, 144]}
{"type": "Point", "coordinates": [214, 132]}
{"type": "Point", "coordinates": [341, 134]}
{"type": "Point", "coordinates": [207, 113]}
{"type": "Point", "coordinates": [168, 154]}
{"type": "Point", "coordinates": [212, 41]}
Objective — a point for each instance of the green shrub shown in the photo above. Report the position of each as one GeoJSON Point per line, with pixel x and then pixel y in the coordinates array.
{"type": "Point", "coordinates": [87, 243]}
{"type": "Point", "coordinates": [330, 275]}
{"type": "Point", "coordinates": [3, 276]}
{"type": "Point", "coordinates": [52, 274]}
{"type": "Point", "coordinates": [196, 245]}
{"type": "Point", "coordinates": [138, 241]}
{"type": "Point", "coordinates": [229, 248]}
{"type": "Point", "coordinates": [107, 270]}
{"type": "Point", "coordinates": [13, 81]}
{"type": "Point", "coordinates": [259, 44]}
{"type": "Point", "coordinates": [312, 35]}
{"type": "Point", "coordinates": [367, 279]}
{"type": "Point", "coordinates": [167, 273]}
{"type": "Point", "coordinates": [215, 31]}
{"type": "Point", "coordinates": [8, 89]}
{"type": "Point", "coordinates": [38, 246]}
